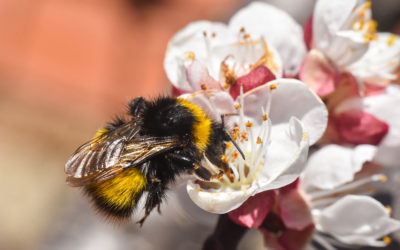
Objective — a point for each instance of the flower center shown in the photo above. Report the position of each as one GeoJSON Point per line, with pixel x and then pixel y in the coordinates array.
{"type": "Point", "coordinates": [364, 23]}
{"type": "Point", "coordinates": [253, 142]}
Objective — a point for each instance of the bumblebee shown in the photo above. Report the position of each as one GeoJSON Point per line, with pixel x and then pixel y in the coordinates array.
{"type": "Point", "coordinates": [131, 158]}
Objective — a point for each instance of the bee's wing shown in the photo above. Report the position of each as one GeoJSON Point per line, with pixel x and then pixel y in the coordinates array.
{"type": "Point", "coordinates": [108, 154]}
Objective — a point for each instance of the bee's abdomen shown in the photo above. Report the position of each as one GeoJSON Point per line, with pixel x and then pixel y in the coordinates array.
{"type": "Point", "coordinates": [116, 197]}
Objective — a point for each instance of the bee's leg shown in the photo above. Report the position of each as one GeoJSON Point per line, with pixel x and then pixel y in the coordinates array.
{"type": "Point", "coordinates": [136, 105]}
{"type": "Point", "coordinates": [156, 193]}
{"type": "Point", "coordinates": [200, 171]}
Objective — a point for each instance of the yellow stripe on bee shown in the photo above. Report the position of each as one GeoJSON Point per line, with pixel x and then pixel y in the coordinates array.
{"type": "Point", "coordinates": [122, 190]}
{"type": "Point", "coordinates": [100, 132]}
{"type": "Point", "coordinates": [202, 126]}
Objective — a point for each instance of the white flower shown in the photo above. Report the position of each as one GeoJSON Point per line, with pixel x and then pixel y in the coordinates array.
{"type": "Point", "coordinates": [205, 53]}
{"type": "Point", "coordinates": [342, 30]}
{"type": "Point", "coordinates": [276, 124]}
{"type": "Point", "coordinates": [328, 183]}
{"type": "Point", "coordinates": [379, 63]}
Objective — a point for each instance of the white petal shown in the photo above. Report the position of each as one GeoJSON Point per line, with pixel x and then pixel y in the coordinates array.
{"type": "Point", "coordinates": [286, 156]}
{"type": "Point", "coordinates": [334, 165]}
{"type": "Point", "coordinates": [278, 29]}
{"type": "Point", "coordinates": [290, 98]}
{"type": "Point", "coordinates": [333, 35]}
{"type": "Point", "coordinates": [214, 103]}
{"type": "Point", "coordinates": [217, 201]}
{"type": "Point", "coordinates": [359, 220]}
{"type": "Point", "coordinates": [191, 39]}
{"type": "Point", "coordinates": [381, 60]}
{"type": "Point", "coordinates": [385, 107]}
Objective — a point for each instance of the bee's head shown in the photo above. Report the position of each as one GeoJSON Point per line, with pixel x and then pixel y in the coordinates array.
{"type": "Point", "coordinates": [165, 117]}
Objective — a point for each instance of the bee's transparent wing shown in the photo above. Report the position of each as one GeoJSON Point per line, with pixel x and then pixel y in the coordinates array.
{"type": "Point", "coordinates": [110, 153]}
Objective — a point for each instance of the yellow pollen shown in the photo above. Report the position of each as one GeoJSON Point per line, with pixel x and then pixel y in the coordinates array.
{"type": "Point", "coordinates": [246, 36]}
{"type": "Point", "coordinates": [383, 178]}
{"type": "Point", "coordinates": [389, 209]}
{"type": "Point", "coordinates": [265, 117]}
{"type": "Point", "coordinates": [235, 155]}
{"type": "Point", "coordinates": [242, 29]}
{"type": "Point", "coordinates": [228, 145]}
{"type": "Point", "coordinates": [234, 137]}
{"type": "Point", "coordinates": [272, 86]}
{"type": "Point", "coordinates": [387, 240]}
{"type": "Point", "coordinates": [190, 55]}
{"type": "Point", "coordinates": [367, 5]}
{"type": "Point", "coordinates": [259, 140]}
{"type": "Point", "coordinates": [196, 167]}
{"type": "Point", "coordinates": [391, 40]}
{"type": "Point", "coordinates": [235, 129]}
{"type": "Point", "coordinates": [224, 159]}
{"type": "Point", "coordinates": [249, 124]}
{"type": "Point", "coordinates": [198, 188]}
{"type": "Point", "coordinates": [203, 86]}
{"type": "Point", "coordinates": [237, 106]}
{"type": "Point", "coordinates": [244, 135]}
{"type": "Point", "coordinates": [226, 85]}
{"type": "Point", "coordinates": [372, 25]}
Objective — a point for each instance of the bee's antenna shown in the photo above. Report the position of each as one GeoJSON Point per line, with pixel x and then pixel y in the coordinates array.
{"type": "Point", "coordinates": [230, 138]}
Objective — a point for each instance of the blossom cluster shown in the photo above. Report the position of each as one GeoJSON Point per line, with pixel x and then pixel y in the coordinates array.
{"type": "Point", "coordinates": [314, 112]}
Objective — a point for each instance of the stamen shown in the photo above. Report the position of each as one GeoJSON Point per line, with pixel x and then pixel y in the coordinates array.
{"type": "Point", "coordinates": [265, 117]}
{"type": "Point", "coordinates": [242, 29]}
{"type": "Point", "coordinates": [190, 55]}
{"type": "Point", "coordinates": [259, 141]}
{"type": "Point", "coordinates": [391, 40]}
{"type": "Point", "coordinates": [246, 36]}
{"type": "Point", "coordinates": [224, 159]}
{"type": "Point", "coordinates": [387, 240]}
{"type": "Point", "coordinates": [346, 187]}
{"type": "Point", "coordinates": [237, 106]}
{"type": "Point", "coordinates": [249, 124]}
{"type": "Point", "coordinates": [203, 86]}
{"type": "Point", "coordinates": [272, 87]}
{"type": "Point", "coordinates": [389, 209]}
{"type": "Point", "coordinates": [235, 155]}
{"type": "Point", "coordinates": [213, 34]}
{"type": "Point", "coordinates": [228, 145]}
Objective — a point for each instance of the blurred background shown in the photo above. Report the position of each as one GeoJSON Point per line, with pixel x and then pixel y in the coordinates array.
{"type": "Point", "coordinates": [66, 67]}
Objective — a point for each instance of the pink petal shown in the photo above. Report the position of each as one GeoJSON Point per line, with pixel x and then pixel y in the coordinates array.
{"type": "Point", "coordinates": [296, 239]}
{"type": "Point", "coordinates": [198, 77]}
{"type": "Point", "coordinates": [360, 127]}
{"type": "Point", "coordinates": [289, 239]}
{"type": "Point", "coordinates": [252, 213]}
{"type": "Point", "coordinates": [373, 89]}
{"type": "Point", "coordinates": [318, 73]}
{"type": "Point", "coordinates": [294, 211]}
{"type": "Point", "coordinates": [307, 33]}
{"type": "Point", "coordinates": [255, 78]}
{"type": "Point", "coordinates": [347, 88]}
{"type": "Point", "coordinates": [177, 92]}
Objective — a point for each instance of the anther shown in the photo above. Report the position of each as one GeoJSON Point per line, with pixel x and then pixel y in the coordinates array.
{"type": "Point", "coordinates": [190, 55]}
{"type": "Point", "coordinates": [237, 106]}
{"type": "Point", "coordinates": [196, 167]}
{"type": "Point", "coordinates": [387, 240]}
{"type": "Point", "coordinates": [272, 86]}
{"type": "Point", "coordinates": [203, 86]}
{"type": "Point", "coordinates": [226, 85]}
{"type": "Point", "coordinates": [249, 124]}
{"type": "Point", "coordinates": [389, 209]}
{"type": "Point", "coordinates": [246, 36]}
{"type": "Point", "coordinates": [383, 178]}
{"type": "Point", "coordinates": [242, 29]}
{"type": "Point", "coordinates": [235, 155]}
{"type": "Point", "coordinates": [213, 35]}
{"type": "Point", "coordinates": [391, 40]}
{"type": "Point", "coordinates": [228, 145]}
{"type": "Point", "coordinates": [265, 117]}
{"type": "Point", "coordinates": [224, 159]}
{"type": "Point", "coordinates": [259, 141]}
{"type": "Point", "coordinates": [204, 34]}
